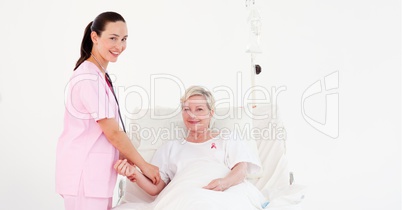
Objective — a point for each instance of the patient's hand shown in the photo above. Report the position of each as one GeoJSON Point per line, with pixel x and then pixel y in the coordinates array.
{"type": "Point", "coordinates": [235, 176]}
{"type": "Point", "coordinates": [124, 168]}
{"type": "Point", "coordinates": [217, 185]}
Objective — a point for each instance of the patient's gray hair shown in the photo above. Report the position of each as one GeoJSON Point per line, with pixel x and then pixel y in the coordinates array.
{"type": "Point", "coordinates": [199, 91]}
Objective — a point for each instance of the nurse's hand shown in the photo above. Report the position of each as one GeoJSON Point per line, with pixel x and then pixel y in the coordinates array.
{"type": "Point", "coordinates": [152, 173]}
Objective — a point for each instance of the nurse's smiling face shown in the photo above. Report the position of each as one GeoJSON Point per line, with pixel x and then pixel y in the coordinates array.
{"type": "Point", "coordinates": [111, 43]}
{"type": "Point", "coordinates": [196, 114]}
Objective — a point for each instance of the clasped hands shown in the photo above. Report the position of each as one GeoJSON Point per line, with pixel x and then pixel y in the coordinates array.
{"type": "Point", "coordinates": [124, 168]}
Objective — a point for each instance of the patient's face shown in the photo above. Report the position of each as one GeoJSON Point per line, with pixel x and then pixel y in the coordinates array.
{"type": "Point", "coordinates": [196, 115]}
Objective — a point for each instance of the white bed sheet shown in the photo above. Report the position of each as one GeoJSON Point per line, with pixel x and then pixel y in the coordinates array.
{"type": "Point", "coordinates": [185, 192]}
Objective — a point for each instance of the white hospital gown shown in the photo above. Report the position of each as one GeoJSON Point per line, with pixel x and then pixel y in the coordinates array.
{"type": "Point", "coordinates": [177, 155]}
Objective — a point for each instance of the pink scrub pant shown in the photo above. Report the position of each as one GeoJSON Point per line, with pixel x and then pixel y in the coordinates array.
{"type": "Point", "coordinates": [80, 202]}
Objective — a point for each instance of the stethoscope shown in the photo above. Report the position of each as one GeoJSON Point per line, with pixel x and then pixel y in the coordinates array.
{"type": "Point", "coordinates": [108, 80]}
{"type": "Point", "coordinates": [115, 98]}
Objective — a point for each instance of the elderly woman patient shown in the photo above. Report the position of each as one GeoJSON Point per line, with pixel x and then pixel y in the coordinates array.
{"type": "Point", "coordinates": [206, 170]}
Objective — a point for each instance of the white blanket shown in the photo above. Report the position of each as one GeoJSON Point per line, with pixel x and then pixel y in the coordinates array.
{"type": "Point", "coordinates": [185, 192]}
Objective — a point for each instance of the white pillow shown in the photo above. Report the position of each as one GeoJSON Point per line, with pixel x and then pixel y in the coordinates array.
{"type": "Point", "coordinates": [271, 143]}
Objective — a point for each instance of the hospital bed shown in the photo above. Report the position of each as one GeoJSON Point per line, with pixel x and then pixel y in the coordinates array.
{"type": "Point", "coordinates": [260, 127]}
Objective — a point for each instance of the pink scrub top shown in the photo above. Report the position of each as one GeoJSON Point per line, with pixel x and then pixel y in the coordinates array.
{"type": "Point", "coordinates": [83, 152]}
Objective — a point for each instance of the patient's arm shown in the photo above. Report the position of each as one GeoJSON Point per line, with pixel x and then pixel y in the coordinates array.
{"type": "Point", "coordinates": [146, 184]}
{"type": "Point", "coordinates": [134, 175]}
{"type": "Point", "coordinates": [236, 176]}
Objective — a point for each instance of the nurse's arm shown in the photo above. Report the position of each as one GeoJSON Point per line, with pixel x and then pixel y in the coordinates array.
{"type": "Point", "coordinates": [121, 142]}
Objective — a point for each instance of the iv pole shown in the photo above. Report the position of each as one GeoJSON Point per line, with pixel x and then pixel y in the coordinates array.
{"type": "Point", "coordinates": [253, 47]}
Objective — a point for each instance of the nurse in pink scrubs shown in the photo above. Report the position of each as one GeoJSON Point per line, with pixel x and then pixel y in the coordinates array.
{"type": "Point", "coordinates": [92, 139]}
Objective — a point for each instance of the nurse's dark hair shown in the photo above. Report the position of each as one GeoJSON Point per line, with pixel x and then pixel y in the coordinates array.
{"type": "Point", "coordinates": [97, 25]}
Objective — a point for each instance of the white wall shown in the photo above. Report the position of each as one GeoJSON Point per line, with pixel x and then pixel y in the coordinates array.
{"type": "Point", "coordinates": [203, 43]}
